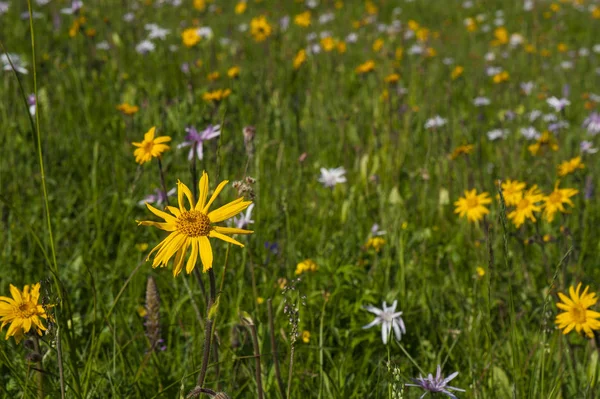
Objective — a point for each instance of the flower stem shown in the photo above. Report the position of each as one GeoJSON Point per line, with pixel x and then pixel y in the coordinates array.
{"type": "Point", "coordinates": [208, 328]}
{"type": "Point", "coordinates": [40, 372]}
{"type": "Point", "coordinates": [162, 181]}
{"type": "Point", "coordinates": [257, 371]}
{"type": "Point", "coordinates": [274, 349]}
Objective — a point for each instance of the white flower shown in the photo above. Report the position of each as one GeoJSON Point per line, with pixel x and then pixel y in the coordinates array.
{"type": "Point", "coordinates": [312, 3]}
{"type": "Point", "coordinates": [492, 71]}
{"type": "Point", "coordinates": [533, 115]}
{"type": "Point", "coordinates": [481, 101]}
{"type": "Point", "coordinates": [467, 4]}
{"type": "Point", "coordinates": [128, 17]}
{"type": "Point", "coordinates": [145, 46]}
{"type": "Point", "coordinates": [596, 48]}
{"type": "Point", "coordinates": [42, 2]}
{"type": "Point", "coordinates": [4, 6]}
{"type": "Point", "coordinates": [566, 65]}
{"type": "Point", "coordinates": [448, 61]}
{"type": "Point", "coordinates": [284, 22]}
{"type": "Point", "coordinates": [526, 87]}
{"type": "Point", "coordinates": [528, 5]}
{"type": "Point", "coordinates": [530, 133]}
{"type": "Point", "coordinates": [327, 17]}
{"type": "Point", "coordinates": [586, 147]}
{"type": "Point", "coordinates": [516, 39]}
{"type": "Point", "coordinates": [583, 52]}
{"type": "Point", "coordinates": [243, 220]}
{"type": "Point", "coordinates": [351, 38]}
{"type": "Point", "coordinates": [497, 134]}
{"type": "Point", "coordinates": [17, 63]}
{"type": "Point", "coordinates": [156, 32]}
{"type": "Point", "coordinates": [550, 118]}
{"type": "Point", "coordinates": [376, 232]}
{"type": "Point", "coordinates": [331, 177]}
{"type": "Point", "coordinates": [499, 21]}
{"type": "Point", "coordinates": [75, 6]}
{"type": "Point", "coordinates": [558, 104]}
{"type": "Point", "coordinates": [103, 45]}
{"type": "Point", "coordinates": [489, 57]}
{"type": "Point", "coordinates": [311, 36]}
{"type": "Point", "coordinates": [415, 49]}
{"type": "Point", "coordinates": [389, 319]}
{"type": "Point", "coordinates": [436, 121]}
{"type": "Point", "coordinates": [205, 32]}
{"type": "Point", "coordinates": [243, 27]}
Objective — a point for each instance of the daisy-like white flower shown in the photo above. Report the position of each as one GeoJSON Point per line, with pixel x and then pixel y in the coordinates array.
{"type": "Point", "coordinates": [205, 32]}
{"type": "Point", "coordinates": [586, 147]}
{"type": "Point", "coordinates": [244, 219]}
{"type": "Point", "coordinates": [194, 139]}
{"type": "Point", "coordinates": [145, 47]}
{"type": "Point", "coordinates": [158, 198]}
{"type": "Point", "coordinates": [17, 63]}
{"type": "Point", "coordinates": [526, 87]}
{"type": "Point", "coordinates": [497, 134]}
{"type": "Point", "coordinates": [437, 384]}
{"type": "Point", "coordinates": [331, 177]}
{"type": "Point", "coordinates": [592, 123]}
{"type": "Point", "coordinates": [389, 319]}
{"type": "Point", "coordinates": [558, 104]}
{"type": "Point", "coordinates": [156, 32]}
{"type": "Point", "coordinates": [4, 6]}
{"type": "Point", "coordinates": [436, 121]}
{"type": "Point", "coordinates": [530, 133]}
{"type": "Point", "coordinates": [481, 101]}
{"type": "Point", "coordinates": [376, 232]}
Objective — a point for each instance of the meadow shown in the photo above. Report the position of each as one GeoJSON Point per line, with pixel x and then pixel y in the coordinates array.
{"type": "Point", "coordinates": [411, 207]}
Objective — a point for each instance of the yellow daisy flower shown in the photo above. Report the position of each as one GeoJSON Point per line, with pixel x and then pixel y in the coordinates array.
{"type": "Point", "coordinates": [190, 37]}
{"type": "Point", "coordinates": [365, 67]}
{"type": "Point", "coordinates": [376, 243]}
{"type": "Point", "coordinates": [260, 28]}
{"type": "Point", "coordinates": [472, 205]}
{"type": "Point", "coordinates": [22, 311]}
{"type": "Point", "coordinates": [527, 204]}
{"type": "Point", "coordinates": [303, 19]}
{"type": "Point", "coordinates": [554, 202]}
{"type": "Point", "coordinates": [570, 166]}
{"type": "Point", "coordinates": [576, 315]}
{"type": "Point", "coordinates": [151, 147]}
{"type": "Point", "coordinates": [462, 150]}
{"type": "Point", "coordinates": [512, 191]}
{"type": "Point", "coordinates": [192, 228]}
{"type": "Point", "coordinates": [307, 265]}
{"type": "Point", "coordinates": [299, 59]}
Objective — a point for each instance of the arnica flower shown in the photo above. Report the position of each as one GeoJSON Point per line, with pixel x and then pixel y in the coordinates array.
{"type": "Point", "coordinates": [216, 95]}
{"type": "Point", "coordinates": [260, 28]}
{"type": "Point", "coordinates": [302, 19]}
{"type": "Point", "coordinates": [392, 78]}
{"type": "Point", "coordinates": [462, 150]}
{"type": "Point", "coordinates": [512, 191]}
{"type": "Point", "coordinates": [128, 109]}
{"type": "Point", "coordinates": [527, 204]}
{"type": "Point", "coordinates": [365, 67]}
{"type": "Point", "coordinates": [570, 166]}
{"type": "Point", "coordinates": [328, 43]}
{"type": "Point", "coordinates": [306, 336]}
{"type": "Point", "coordinates": [378, 45]}
{"type": "Point", "coordinates": [233, 72]}
{"type": "Point", "coordinates": [240, 7]}
{"type": "Point", "coordinates": [554, 202]}
{"type": "Point", "coordinates": [437, 384]}
{"type": "Point", "coordinates": [376, 243]}
{"type": "Point", "coordinates": [307, 265]}
{"type": "Point", "coordinates": [457, 72]}
{"type": "Point", "coordinates": [546, 140]}
{"type": "Point", "coordinates": [472, 205]}
{"type": "Point", "coordinates": [299, 59]}
{"type": "Point", "coordinates": [151, 147]}
{"type": "Point", "coordinates": [22, 311]}
{"type": "Point", "coordinates": [576, 315]}
{"type": "Point", "coordinates": [190, 37]}
{"type": "Point", "coordinates": [195, 139]}
{"type": "Point", "coordinates": [389, 319]}
{"type": "Point", "coordinates": [192, 228]}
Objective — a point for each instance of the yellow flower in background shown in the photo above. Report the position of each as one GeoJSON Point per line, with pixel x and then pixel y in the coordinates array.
{"type": "Point", "coordinates": [457, 72]}
{"type": "Point", "coordinates": [555, 201]}
{"type": "Point", "coordinates": [570, 166]}
{"type": "Point", "coordinates": [430, 52]}
{"type": "Point", "coordinates": [512, 191]}
{"type": "Point", "coordinates": [213, 76]}
{"type": "Point", "coordinates": [376, 243]}
{"type": "Point", "coordinates": [472, 205]}
{"type": "Point", "coordinates": [260, 28]}
{"type": "Point", "coordinates": [302, 19]}
{"type": "Point", "coordinates": [577, 314]}
{"type": "Point", "coordinates": [299, 59]}
{"type": "Point", "coordinates": [501, 36]}
{"type": "Point", "coordinates": [399, 53]}
{"type": "Point", "coordinates": [328, 44]}
{"type": "Point", "coordinates": [141, 246]}
{"type": "Point", "coordinates": [216, 95]}
{"type": "Point", "coordinates": [392, 78]}
{"type": "Point", "coordinates": [471, 24]}
{"type": "Point", "coordinates": [307, 265]}
{"type": "Point", "coordinates": [501, 77]}
{"type": "Point", "coordinates": [378, 45]}
{"type": "Point", "coordinates": [413, 25]}
{"type": "Point", "coordinates": [306, 336]}
{"type": "Point", "coordinates": [190, 37]}
{"type": "Point", "coordinates": [128, 109]}
{"type": "Point", "coordinates": [233, 72]}
{"type": "Point", "coordinates": [371, 8]}
{"type": "Point", "coordinates": [527, 203]}
{"type": "Point", "coordinates": [562, 48]}
{"type": "Point", "coordinates": [260, 300]}
{"type": "Point", "coordinates": [22, 312]}
{"type": "Point", "coordinates": [462, 150]}
{"type": "Point", "coordinates": [339, 4]}
{"type": "Point", "coordinates": [240, 7]}
{"type": "Point", "coordinates": [365, 67]}
{"type": "Point", "coordinates": [200, 5]}
{"type": "Point", "coordinates": [150, 147]}
{"type": "Point", "coordinates": [191, 228]}
{"type": "Point", "coordinates": [341, 46]}
{"type": "Point", "coordinates": [480, 271]}
{"type": "Point", "coordinates": [422, 34]}
{"type": "Point", "coordinates": [546, 140]}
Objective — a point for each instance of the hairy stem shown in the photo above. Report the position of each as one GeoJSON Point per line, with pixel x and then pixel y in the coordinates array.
{"type": "Point", "coordinates": [274, 349]}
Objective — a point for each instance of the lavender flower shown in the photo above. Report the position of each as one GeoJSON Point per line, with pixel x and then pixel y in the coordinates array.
{"type": "Point", "coordinates": [194, 139]}
{"type": "Point", "coordinates": [158, 198]}
{"type": "Point", "coordinates": [592, 123]}
{"type": "Point", "coordinates": [558, 104]}
{"type": "Point", "coordinates": [376, 232]}
{"type": "Point", "coordinates": [32, 104]}
{"type": "Point", "coordinates": [586, 147]}
{"type": "Point", "coordinates": [388, 318]}
{"type": "Point", "coordinates": [333, 176]}
{"type": "Point", "coordinates": [526, 87]}
{"type": "Point", "coordinates": [145, 47]}
{"type": "Point", "coordinates": [75, 6]}
{"type": "Point", "coordinates": [17, 62]}
{"type": "Point", "coordinates": [439, 384]}
{"type": "Point", "coordinates": [555, 127]}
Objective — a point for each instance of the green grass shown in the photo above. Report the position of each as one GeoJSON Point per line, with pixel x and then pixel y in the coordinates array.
{"type": "Point", "coordinates": [497, 330]}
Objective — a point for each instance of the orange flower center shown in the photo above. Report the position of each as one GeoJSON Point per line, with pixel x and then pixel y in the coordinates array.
{"type": "Point", "coordinates": [523, 204]}
{"type": "Point", "coordinates": [472, 202]}
{"type": "Point", "coordinates": [578, 314]}
{"type": "Point", "coordinates": [555, 197]}
{"type": "Point", "coordinates": [25, 310]}
{"type": "Point", "coordinates": [148, 146]}
{"type": "Point", "coordinates": [194, 224]}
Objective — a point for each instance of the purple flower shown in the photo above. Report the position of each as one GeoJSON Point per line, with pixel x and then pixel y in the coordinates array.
{"type": "Point", "coordinates": [32, 104]}
{"type": "Point", "coordinates": [586, 147]}
{"type": "Point", "coordinates": [437, 384]}
{"type": "Point", "coordinates": [195, 139]}
{"type": "Point", "coordinates": [592, 123]}
{"type": "Point", "coordinates": [158, 198]}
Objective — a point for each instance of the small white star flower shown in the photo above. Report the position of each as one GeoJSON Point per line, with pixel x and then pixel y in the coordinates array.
{"type": "Point", "coordinates": [389, 319]}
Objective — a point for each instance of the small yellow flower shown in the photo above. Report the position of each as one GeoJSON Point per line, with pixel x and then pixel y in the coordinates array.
{"type": "Point", "coordinates": [328, 44]}
{"type": "Point", "coordinates": [200, 5]}
{"type": "Point", "coordinates": [378, 45]}
{"type": "Point", "coordinates": [546, 238]}
{"type": "Point", "coordinates": [341, 46]}
{"type": "Point", "coordinates": [554, 202]}
{"type": "Point", "coordinates": [213, 76]}
{"type": "Point", "coordinates": [413, 25]}
{"type": "Point", "coordinates": [392, 78]}
{"type": "Point", "coordinates": [501, 77]}
{"type": "Point", "coordinates": [512, 191]}
{"type": "Point", "coordinates": [303, 19]}
{"type": "Point", "coordinates": [142, 246]}
{"type": "Point", "coordinates": [306, 336]}
{"type": "Point", "coordinates": [457, 72]}
{"type": "Point", "coordinates": [128, 109]}
{"type": "Point", "coordinates": [472, 205]}
{"type": "Point", "coordinates": [570, 166]}
{"type": "Point", "coordinates": [216, 95]}
{"type": "Point", "coordinates": [399, 53]}
{"type": "Point", "coordinates": [501, 35]}
{"type": "Point", "coordinates": [190, 37]}
{"type": "Point", "coordinates": [240, 7]}
{"type": "Point", "coordinates": [376, 243]}
{"type": "Point", "coordinates": [365, 67]}
{"type": "Point", "coordinates": [260, 300]}
{"type": "Point", "coordinates": [576, 315]}
{"type": "Point", "coordinates": [233, 72]}
{"type": "Point", "coordinates": [480, 272]}
{"type": "Point", "coordinates": [562, 48]}
{"type": "Point", "coordinates": [141, 311]}
{"type": "Point", "coordinates": [299, 59]}
{"type": "Point", "coordinates": [307, 265]}
{"type": "Point", "coordinates": [260, 28]}
{"type": "Point", "coordinates": [462, 150]}
{"type": "Point", "coordinates": [282, 282]}
{"type": "Point", "coordinates": [546, 140]}
{"type": "Point", "coordinates": [371, 8]}
{"type": "Point", "coordinates": [527, 204]}
{"type": "Point", "coordinates": [22, 311]}
{"type": "Point", "coordinates": [422, 34]}
{"type": "Point", "coordinates": [150, 147]}
{"type": "Point", "coordinates": [404, 225]}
